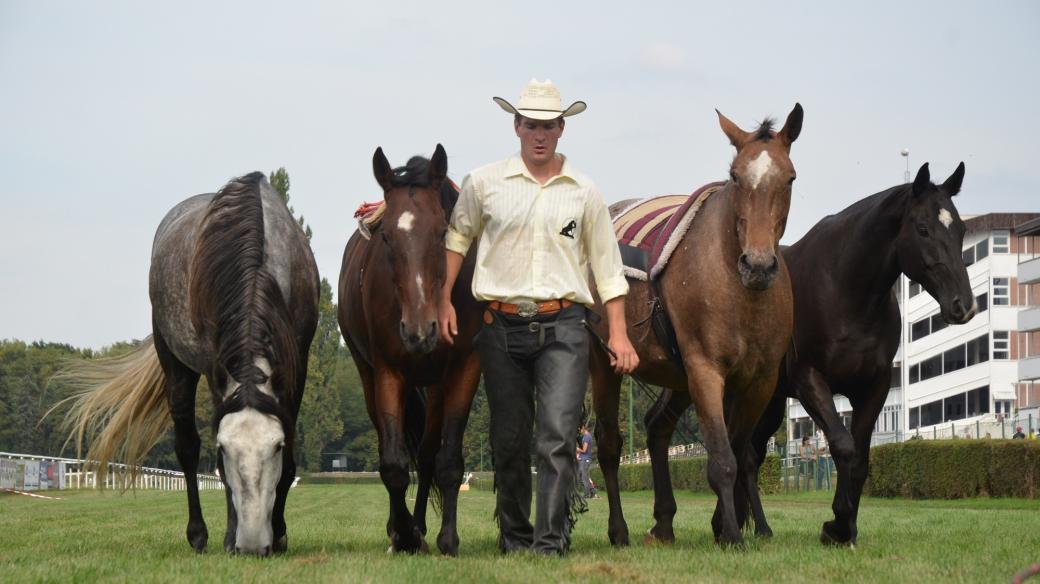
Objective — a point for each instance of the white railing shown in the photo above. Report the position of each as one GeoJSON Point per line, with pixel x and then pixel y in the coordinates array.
{"type": "Point", "coordinates": [30, 473]}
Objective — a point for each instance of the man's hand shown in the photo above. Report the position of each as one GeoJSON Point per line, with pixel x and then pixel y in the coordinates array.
{"type": "Point", "coordinates": [623, 355]}
{"type": "Point", "coordinates": [624, 358]}
{"type": "Point", "coordinates": [446, 323]}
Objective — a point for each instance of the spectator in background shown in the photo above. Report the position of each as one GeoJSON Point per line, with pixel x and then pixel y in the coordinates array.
{"type": "Point", "coordinates": [584, 455]}
{"type": "Point", "coordinates": [1018, 434]}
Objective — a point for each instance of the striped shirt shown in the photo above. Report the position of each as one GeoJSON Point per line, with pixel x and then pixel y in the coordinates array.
{"type": "Point", "coordinates": [536, 242]}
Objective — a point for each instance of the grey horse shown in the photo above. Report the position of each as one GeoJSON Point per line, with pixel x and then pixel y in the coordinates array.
{"type": "Point", "coordinates": [234, 292]}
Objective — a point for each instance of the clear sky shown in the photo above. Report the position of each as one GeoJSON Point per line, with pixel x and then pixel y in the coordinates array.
{"type": "Point", "coordinates": [112, 112]}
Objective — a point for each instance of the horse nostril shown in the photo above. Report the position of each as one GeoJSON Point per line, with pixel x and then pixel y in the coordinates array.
{"type": "Point", "coordinates": [774, 265]}
{"type": "Point", "coordinates": [743, 262]}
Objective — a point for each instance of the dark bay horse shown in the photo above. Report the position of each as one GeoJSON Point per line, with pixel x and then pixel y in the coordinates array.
{"type": "Point", "coordinates": [848, 325]}
{"type": "Point", "coordinates": [727, 294]}
{"type": "Point", "coordinates": [389, 288]}
{"type": "Point", "coordinates": [234, 292]}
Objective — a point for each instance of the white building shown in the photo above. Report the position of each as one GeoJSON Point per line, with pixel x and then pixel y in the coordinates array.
{"type": "Point", "coordinates": [951, 379]}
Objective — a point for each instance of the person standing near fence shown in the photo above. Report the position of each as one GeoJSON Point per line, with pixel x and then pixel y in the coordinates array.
{"type": "Point", "coordinates": [584, 455]}
{"type": "Point", "coordinates": [1018, 435]}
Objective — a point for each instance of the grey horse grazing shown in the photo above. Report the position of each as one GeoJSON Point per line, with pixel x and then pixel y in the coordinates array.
{"type": "Point", "coordinates": [234, 291]}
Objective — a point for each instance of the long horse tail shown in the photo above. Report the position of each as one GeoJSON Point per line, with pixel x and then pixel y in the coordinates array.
{"type": "Point", "coordinates": [236, 305]}
{"type": "Point", "coordinates": [118, 408]}
{"type": "Point", "coordinates": [414, 430]}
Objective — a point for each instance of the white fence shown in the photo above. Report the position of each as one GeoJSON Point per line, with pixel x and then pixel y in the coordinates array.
{"type": "Point", "coordinates": [26, 472]}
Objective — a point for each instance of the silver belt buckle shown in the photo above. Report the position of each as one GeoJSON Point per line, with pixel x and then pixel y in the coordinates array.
{"type": "Point", "coordinates": [526, 309]}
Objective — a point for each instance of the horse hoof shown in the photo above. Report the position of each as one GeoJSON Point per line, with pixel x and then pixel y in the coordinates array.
{"type": "Point", "coordinates": [830, 535]}
{"type": "Point", "coordinates": [651, 538]}
{"type": "Point", "coordinates": [448, 545]}
{"type": "Point", "coordinates": [198, 541]}
{"type": "Point", "coordinates": [619, 540]}
{"type": "Point", "coordinates": [281, 544]}
{"type": "Point", "coordinates": [764, 533]}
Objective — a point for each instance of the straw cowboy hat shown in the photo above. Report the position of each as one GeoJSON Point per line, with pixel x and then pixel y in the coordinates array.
{"type": "Point", "coordinates": [541, 101]}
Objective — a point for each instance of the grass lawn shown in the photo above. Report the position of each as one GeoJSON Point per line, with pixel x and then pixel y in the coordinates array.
{"type": "Point", "coordinates": [336, 533]}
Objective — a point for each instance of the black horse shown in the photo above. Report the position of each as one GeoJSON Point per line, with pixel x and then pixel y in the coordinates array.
{"type": "Point", "coordinates": [847, 327]}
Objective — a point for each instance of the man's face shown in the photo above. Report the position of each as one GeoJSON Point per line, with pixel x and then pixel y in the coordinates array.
{"type": "Point", "coordinates": [538, 139]}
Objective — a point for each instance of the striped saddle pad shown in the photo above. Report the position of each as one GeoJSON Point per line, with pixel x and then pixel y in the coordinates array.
{"type": "Point", "coordinates": [648, 231]}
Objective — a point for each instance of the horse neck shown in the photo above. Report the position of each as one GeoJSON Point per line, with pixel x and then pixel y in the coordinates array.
{"type": "Point", "coordinates": [869, 260]}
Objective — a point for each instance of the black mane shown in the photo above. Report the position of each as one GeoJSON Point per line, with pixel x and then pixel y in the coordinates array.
{"type": "Point", "coordinates": [414, 174]}
{"type": "Point", "coordinates": [765, 131]}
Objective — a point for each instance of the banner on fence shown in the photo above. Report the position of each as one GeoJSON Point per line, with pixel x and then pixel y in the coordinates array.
{"type": "Point", "coordinates": [8, 469]}
{"type": "Point", "coordinates": [31, 476]}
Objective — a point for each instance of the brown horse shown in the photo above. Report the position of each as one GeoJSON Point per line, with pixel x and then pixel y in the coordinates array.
{"type": "Point", "coordinates": [389, 289]}
{"type": "Point", "coordinates": [727, 293]}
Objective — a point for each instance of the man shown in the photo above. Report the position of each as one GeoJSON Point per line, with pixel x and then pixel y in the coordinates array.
{"type": "Point", "coordinates": [540, 226]}
{"type": "Point", "coordinates": [1018, 435]}
{"type": "Point", "coordinates": [584, 455]}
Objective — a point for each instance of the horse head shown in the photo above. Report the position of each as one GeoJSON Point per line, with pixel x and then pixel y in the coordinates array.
{"type": "Point", "coordinates": [413, 228]}
{"type": "Point", "coordinates": [929, 245]}
{"type": "Point", "coordinates": [762, 175]}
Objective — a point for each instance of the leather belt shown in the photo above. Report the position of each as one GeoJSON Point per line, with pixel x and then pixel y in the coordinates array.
{"type": "Point", "coordinates": [529, 309]}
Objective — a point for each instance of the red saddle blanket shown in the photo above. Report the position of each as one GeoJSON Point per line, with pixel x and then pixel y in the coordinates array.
{"type": "Point", "coordinates": [655, 226]}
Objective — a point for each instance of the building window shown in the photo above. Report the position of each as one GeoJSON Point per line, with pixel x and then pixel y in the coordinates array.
{"type": "Point", "coordinates": [981, 250]}
{"type": "Point", "coordinates": [938, 323]}
{"type": "Point", "coordinates": [978, 401]}
{"type": "Point", "coordinates": [915, 373]}
{"type": "Point", "coordinates": [983, 301]}
{"type": "Point", "coordinates": [969, 256]}
{"type": "Point", "coordinates": [914, 417]}
{"type": "Point", "coordinates": [914, 289]}
{"type": "Point", "coordinates": [953, 359]}
{"type": "Point", "coordinates": [954, 408]}
{"type": "Point", "coordinates": [1001, 241]}
{"type": "Point", "coordinates": [920, 329]}
{"type": "Point", "coordinates": [897, 376]}
{"type": "Point", "coordinates": [1000, 344]}
{"type": "Point", "coordinates": [932, 413]}
{"type": "Point", "coordinates": [1001, 296]}
{"type": "Point", "coordinates": [931, 367]}
{"type": "Point", "coordinates": [978, 350]}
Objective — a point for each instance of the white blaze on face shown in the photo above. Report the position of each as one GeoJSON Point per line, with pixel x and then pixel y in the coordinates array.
{"type": "Point", "coordinates": [945, 218]}
{"type": "Point", "coordinates": [251, 446]}
{"type": "Point", "coordinates": [404, 222]}
{"type": "Point", "coordinates": [759, 168]}
{"type": "Point", "coordinates": [422, 294]}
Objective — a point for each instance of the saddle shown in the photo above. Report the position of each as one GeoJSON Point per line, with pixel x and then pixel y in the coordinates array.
{"type": "Point", "coordinates": [648, 232]}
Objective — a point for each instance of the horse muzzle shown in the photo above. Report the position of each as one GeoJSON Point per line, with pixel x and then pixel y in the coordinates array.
{"type": "Point", "coordinates": [419, 340]}
{"type": "Point", "coordinates": [757, 270]}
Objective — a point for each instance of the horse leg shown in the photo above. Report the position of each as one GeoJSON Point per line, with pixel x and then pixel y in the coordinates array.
{"type": "Point", "coordinates": [818, 400]}
{"type": "Point", "coordinates": [426, 458]}
{"type": "Point", "coordinates": [606, 393]}
{"type": "Point", "coordinates": [279, 529]}
{"type": "Point", "coordinates": [756, 455]}
{"type": "Point", "coordinates": [459, 388]}
{"type": "Point", "coordinates": [660, 423]}
{"type": "Point", "coordinates": [389, 397]}
{"type": "Point", "coordinates": [741, 423]}
{"type": "Point", "coordinates": [181, 383]}
{"type": "Point", "coordinates": [864, 417]}
{"type": "Point", "coordinates": [707, 387]}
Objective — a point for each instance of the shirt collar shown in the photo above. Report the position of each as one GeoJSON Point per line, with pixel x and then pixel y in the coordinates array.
{"type": "Point", "coordinates": [515, 167]}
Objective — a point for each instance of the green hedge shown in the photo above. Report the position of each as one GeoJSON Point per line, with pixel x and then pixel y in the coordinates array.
{"type": "Point", "coordinates": [955, 469]}
{"type": "Point", "coordinates": [690, 474]}
{"type": "Point", "coordinates": [341, 478]}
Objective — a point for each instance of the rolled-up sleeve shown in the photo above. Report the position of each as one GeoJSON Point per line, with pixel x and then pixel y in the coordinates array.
{"type": "Point", "coordinates": [604, 256]}
{"type": "Point", "coordinates": [466, 219]}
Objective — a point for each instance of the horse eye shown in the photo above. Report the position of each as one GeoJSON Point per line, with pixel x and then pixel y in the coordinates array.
{"type": "Point", "coordinates": [280, 446]}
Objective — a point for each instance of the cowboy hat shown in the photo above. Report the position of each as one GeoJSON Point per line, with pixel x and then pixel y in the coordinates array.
{"type": "Point", "coordinates": [541, 101]}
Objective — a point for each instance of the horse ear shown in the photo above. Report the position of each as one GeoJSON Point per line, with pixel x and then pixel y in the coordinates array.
{"type": "Point", "coordinates": [737, 137]}
{"type": "Point", "coordinates": [438, 168]}
{"type": "Point", "coordinates": [952, 186]}
{"type": "Point", "coordinates": [923, 180]}
{"type": "Point", "coordinates": [792, 127]}
{"type": "Point", "coordinates": [382, 171]}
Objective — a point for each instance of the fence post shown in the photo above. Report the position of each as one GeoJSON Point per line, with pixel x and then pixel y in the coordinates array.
{"type": "Point", "coordinates": [977, 435]}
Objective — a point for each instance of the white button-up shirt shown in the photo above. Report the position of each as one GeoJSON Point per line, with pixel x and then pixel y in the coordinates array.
{"type": "Point", "coordinates": [536, 242]}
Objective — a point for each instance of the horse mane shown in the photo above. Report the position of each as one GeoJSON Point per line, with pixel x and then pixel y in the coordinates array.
{"type": "Point", "coordinates": [414, 174]}
{"type": "Point", "coordinates": [236, 304]}
{"type": "Point", "coordinates": [765, 131]}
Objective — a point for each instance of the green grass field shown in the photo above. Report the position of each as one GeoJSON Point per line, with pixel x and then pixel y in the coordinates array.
{"type": "Point", "coordinates": [336, 533]}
